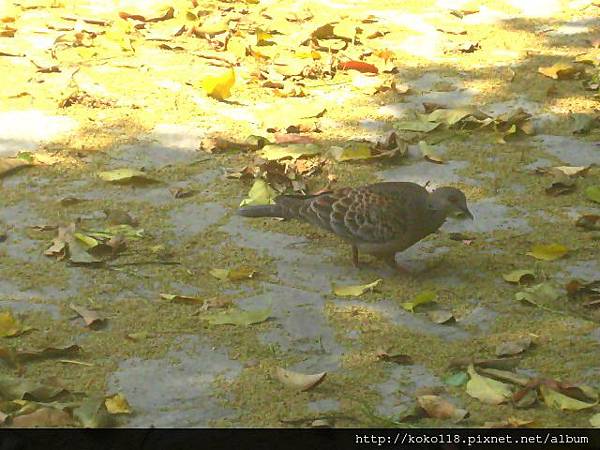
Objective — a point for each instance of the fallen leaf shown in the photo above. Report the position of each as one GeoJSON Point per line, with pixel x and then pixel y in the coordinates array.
{"type": "Point", "coordinates": [560, 71]}
{"type": "Point", "coordinates": [571, 171]}
{"type": "Point", "coordinates": [19, 388]}
{"type": "Point", "coordinates": [416, 125]}
{"type": "Point", "coordinates": [48, 353]}
{"type": "Point", "coordinates": [9, 165]}
{"type": "Point", "coordinates": [457, 379]}
{"type": "Point", "coordinates": [117, 404]}
{"type": "Point", "coordinates": [549, 252]}
{"type": "Point", "coordinates": [593, 193]}
{"type": "Point", "coordinates": [356, 151]}
{"type": "Point", "coordinates": [43, 417]}
{"type": "Point", "coordinates": [582, 123]}
{"type": "Point", "coordinates": [595, 420]}
{"type": "Point", "coordinates": [589, 222]}
{"type": "Point", "coordinates": [561, 187]}
{"type": "Point", "coordinates": [126, 176]}
{"type": "Point", "coordinates": [219, 87]}
{"type": "Point", "coordinates": [510, 422]}
{"type": "Point", "coordinates": [293, 151]}
{"type": "Point", "coordinates": [92, 413]}
{"type": "Point", "coordinates": [440, 408]}
{"type": "Point", "coordinates": [91, 318]}
{"type": "Point", "coordinates": [486, 389]}
{"type": "Point", "coordinates": [440, 316]}
{"type": "Point", "coordinates": [420, 299]}
{"type": "Point", "coordinates": [500, 363]}
{"type": "Point", "coordinates": [260, 194]}
{"type": "Point", "coordinates": [235, 274]}
{"type": "Point", "coordinates": [556, 400]}
{"type": "Point", "coordinates": [10, 326]}
{"type": "Point", "coordinates": [355, 290]}
{"type": "Point", "coordinates": [523, 276]}
{"type": "Point", "coordinates": [239, 317]}
{"type": "Point", "coordinates": [176, 298]}
{"type": "Point", "coordinates": [429, 154]}
{"type": "Point", "coordinates": [299, 381]}
{"type": "Point", "coordinates": [359, 66]}
{"type": "Point", "coordinates": [397, 358]}
{"type": "Point", "coordinates": [511, 348]}
{"type": "Point", "coordinates": [539, 294]}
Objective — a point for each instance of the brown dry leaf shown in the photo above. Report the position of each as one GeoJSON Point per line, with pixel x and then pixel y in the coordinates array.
{"type": "Point", "coordinates": [561, 186]}
{"type": "Point", "coordinates": [8, 165]}
{"type": "Point", "coordinates": [571, 171]}
{"type": "Point", "coordinates": [561, 71]}
{"type": "Point", "coordinates": [590, 222]}
{"type": "Point", "coordinates": [586, 291]}
{"type": "Point", "coordinates": [397, 358]}
{"type": "Point", "coordinates": [299, 381]}
{"type": "Point", "coordinates": [91, 318]}
{"type": "Point", "coordinates": [176, 298]}
{"type": "Point", "coordinates": [47, 353]}
{"type": "Point", "coordinates": [511, 348]}
{"type": "Point", "coordinates": [43, 417]}
{"type": "Point", "coordinates": [510, 422]}
{"type": "Point", "coordinates": [440, 408]}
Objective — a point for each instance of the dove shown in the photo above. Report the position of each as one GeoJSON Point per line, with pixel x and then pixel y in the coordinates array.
{"type": "Point", "coordinates": [380, 219]}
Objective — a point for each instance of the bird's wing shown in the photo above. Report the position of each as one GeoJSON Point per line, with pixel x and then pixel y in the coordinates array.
{"type": "Point", "coordinates": [363, 214]}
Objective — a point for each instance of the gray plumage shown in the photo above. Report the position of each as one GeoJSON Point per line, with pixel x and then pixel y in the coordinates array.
{"type": "Point", "coordinates": [380, 219]}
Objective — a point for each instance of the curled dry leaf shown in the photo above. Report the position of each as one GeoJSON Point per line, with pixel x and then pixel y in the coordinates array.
{"type": "Point", "coordinates": [589, 222]}
{"type": "Point", "coordinates": [560, 71]}
{"type": "Point", "coordinates": [299, 381]}
{"type": "Point", "coordinates": [510, 422]}
{"type": "Point", "coordinates": [441, 316]}
{"type": "Point", "coordinates": [43, 417]}
{"type": "Point", "coordinates": [176, 298]}
{"type": "Point", "coordinates": [91, 318]}
{"type": "Point", "coordinates": [557, 400]}
{"type": "Point", "coordinates": [359, 66]}
{"type": "Point", "coordinates": [511, 348]}
{"type": "Point", "coordinates": [440, 408]}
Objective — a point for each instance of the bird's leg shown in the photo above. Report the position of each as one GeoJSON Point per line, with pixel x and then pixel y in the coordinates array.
{"type": "Point", "coordinates": [390, 261]}
{"type": "Point", "coordinates": [355, 256]}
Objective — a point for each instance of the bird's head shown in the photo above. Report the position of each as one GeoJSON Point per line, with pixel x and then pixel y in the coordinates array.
{"type": "Point", "coordinates": [451, 201]}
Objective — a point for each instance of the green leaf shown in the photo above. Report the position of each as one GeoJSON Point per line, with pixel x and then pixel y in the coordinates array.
{"type": "Point", "coordinates": [355, 290]}
{"type": "Point", "coordinates": [487, 390]}
{"type": "Point", "coordinates": [519, 276]}
{"type": "Point", "coordinates": [538, 295]}
{"type": "Point", "coordinates": [548, 252]}
{"type": "Point", "coordinates": [429, 154]}
{"type": "Point", "coordinates": [422, 298]}
{"type": "Point", "coordinates": [126, 176]}
{"type": "Point", "coordinates": [238, 317]}
{"type": "Point", "coordinates": [556, 400]}
{"type": "Point", "coordinates": [595, 420]}
{"type": "Point", "coordinates": [260, 194]}
{"type": "Point", "coordinates": [593, 193]}
{"type": "Point", "coordinates": [456, 379]}
{"type": "Point", "coordinates": [276, 151]}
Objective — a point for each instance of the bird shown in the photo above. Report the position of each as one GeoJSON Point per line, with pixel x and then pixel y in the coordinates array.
{"type": "Point", "coordinates": [380, 219]}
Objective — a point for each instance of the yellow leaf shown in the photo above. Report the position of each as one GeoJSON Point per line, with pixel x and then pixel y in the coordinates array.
{"type": "Point", "coordinates": [516, 276]}
{"type": "Point", "coordinates": [9, 326]}
{"type": "Point", "coordinates": [486, 389]}
{"type": "Point", "coordinates": [356, 290]}
{"type": "Point", "coordinates": [219, 87]}
{"type": "Point", "coordinates": [555, 399]}
{"type": "Point", "coordinates": [117, 404]}
{"type": "Point", "coordinates": [560, 71]}
{"type": "Point", "coordinates": [262, 37]}
{"type": "Point", "coordinates": [277, 151]}
{"type": "Point", "coordinates": [548, 252]}
{"type": "Point", "coordinates": [353, 152]}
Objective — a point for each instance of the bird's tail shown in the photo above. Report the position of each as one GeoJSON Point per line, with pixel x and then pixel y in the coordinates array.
{"type": "Point", "coordinates": [286, 207]}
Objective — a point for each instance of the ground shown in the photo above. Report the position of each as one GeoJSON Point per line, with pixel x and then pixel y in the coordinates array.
{"type": "Point", "coordinates": [85, 91]}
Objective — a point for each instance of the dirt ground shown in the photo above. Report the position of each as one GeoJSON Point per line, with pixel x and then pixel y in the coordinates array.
{"type": "Point", "coordinates": [135, 110]}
